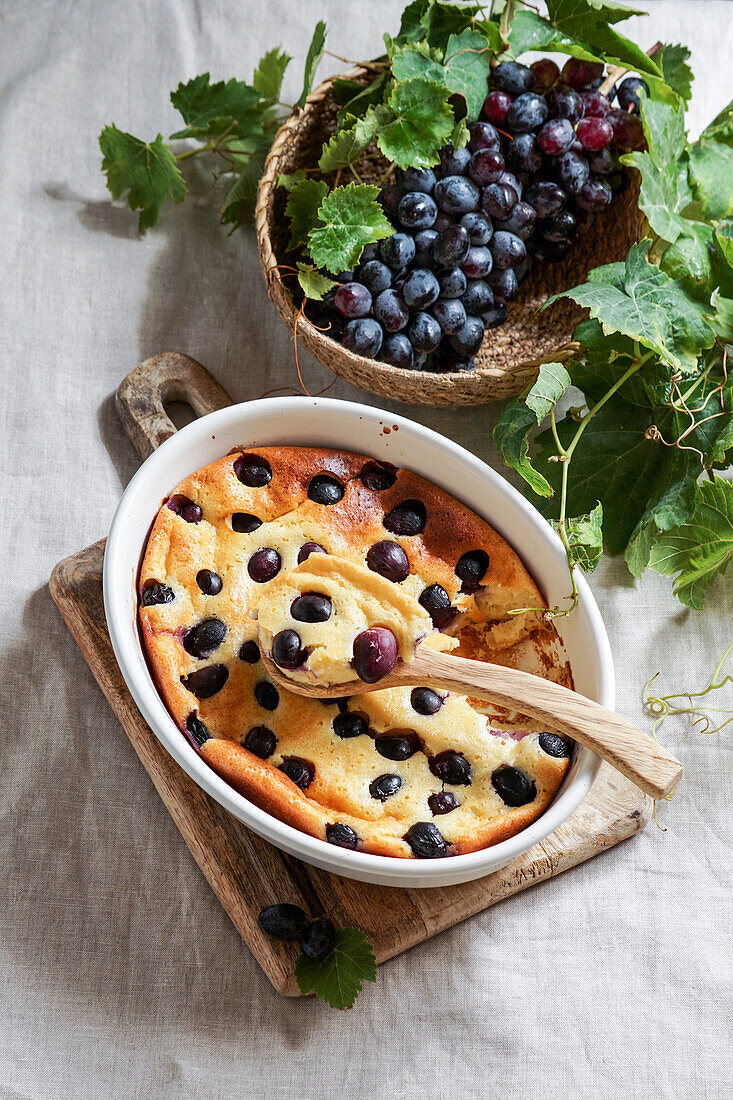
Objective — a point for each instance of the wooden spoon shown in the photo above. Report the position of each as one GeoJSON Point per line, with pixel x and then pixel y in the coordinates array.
{"type": "Point", "coordinates": [626, 748]}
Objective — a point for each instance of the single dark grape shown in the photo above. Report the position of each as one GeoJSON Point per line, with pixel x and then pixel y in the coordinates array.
{"type": "Point", "coordinates": [375, 654]}
{"type": "Point", "coordinates": [319, 939]}
{"type": "Point", "coordinates": [486, 166]}
{"type": "Point", "coordinates": [307, 549]}
{"type": "Point", "coordinates": [546, 74]}
{"type": "Point", "coordinates": [423, 332]}
{"type": "Point", "coordinates": [352, 300]}
{"type": "Point", "coordinates": [343, 836]}
{"type": "Point", "coordinates": [442, 802]}
{"type": "Point", "coordinates": [206, 681]}
{"type": "Point", "coordinates": [560, 227]}
{"type": "Point", "coordinates": [556, 136]}
{"type": "Point", "coordinates": [425, 701]}
{"type": "Point", "coordinates": [478, 262]}
{"type": "Point", "coordinates": [423, 837]}
{"type": "Point", "coordinates": [284, 922]}
{"type": "Point", "coordinates": [579, 74]}
{"type": "Point", "coordinates": [467, 340]}
{"type": "Point", "coordinates": [419, 179]}
{"type": "Point", "coordinates": [513, 181]}
{"type": "Point", "coordinates": [566, 103]}
{"type": "Point", "coordinates": [513, 78]}
{"type": "Point", "coordinates": [260, 741]}
{"type": "Point", "coordinates": [555, 745]}
{"type": "Point", "coordinates": [507, 249]}
{"type": "Point", "coordinates": [628, 134]}
{"type": "Point", "coordinates": [397, 251]}
{"type": "Point", "coordinates": [311, 607]}
{"type": "Point", "coordinates": [450, 314]}
{"type": "Point", "coordinates": [249, 652]}
{"type": "Point", "coordinates": [478, 297]}
{"type": "Point", "coordinates": [453, 162]}
{"type": "Point", "coordinates": [389, 560]}
{"type": "Point", "coordinates": [452, 245]}
{"type": "Point", "coordinates": [391, 311]}
{"type": "Point", "coordinates": [594, 195]}
{"type": "Point", "coordinates": [298, 771]}
{"type": "Point", "coordinates": [421, 288]}
{"type": "Point", "coordinates": [524, 154]}
{"type": "Point", "coordinates": [424, 246]}
{"type": "Point", "coordinates": [407, 518]}
{"type": "Point", "coordinates": [370, 252]}
{"type": "Point", "coordinates": [286, 649]}
{"type": "Point", "coordinates": [478, 227]}
{"type": "Point", "coordinates": [496, 108]}
{"type": "Point", "coordinates": [452, 767]}
{"type": "Point", "coordinates": [452, 282]}
{"type": "Point", "coordinates": [594, 134]}
{"type": "Point", "coordinates": [456, 195]}
{"type": "Point", "coordinates": [595, 104]}
{"type": "Point", "coordinates": [397, 351]}
{"type": "Point", "coordinates": [627, 93]}
{"type": "Point", "coordinates": [602, 163]}
{"type": "Point", "coordinates": [417, 210]}
{"type": "Point", "coordinates": [497, 315]}
{"type": "Point", "coordinates": [436, 602]}
{"type": "Point", "coordinates": [375, 276]}
{"type": "Point", "coordinates": [363, 337]}
{"type": "Point", "coordinates": [504, 284]}
{"type": "Point", "coordinates": [513, 786]}
{"type": "Point", "coordinates": [572, 171]}
{"type": "Point", "coordinates": [184, 507]}
{"type": "Point", "coordinates": [482, 135]}
{"type": "Point", "coordinates": [201, 640]}
{"type": "Point", "coordinates": [209, 582]}
{"type": "Point", "coordinates": [390, 197]}
{"type": "Point", "coordinates": [520, 222]}
{"type": "Point", "coordinates": [546, 197]}
{"type": "Point", "coordinates": [499, 199]}
{"type": "Point", "coordinates": [156, 592]}
{"type": "Point", "coordinates": [385, 786]}
{"type": "Point", "coordinates": [527, 112]}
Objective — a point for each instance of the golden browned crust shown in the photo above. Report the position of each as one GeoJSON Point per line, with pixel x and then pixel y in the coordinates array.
{"type": "Point", "coordinates": [177, 550]}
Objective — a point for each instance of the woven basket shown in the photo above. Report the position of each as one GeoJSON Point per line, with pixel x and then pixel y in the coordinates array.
{"type": "Point", "coordinates": [510, 355]}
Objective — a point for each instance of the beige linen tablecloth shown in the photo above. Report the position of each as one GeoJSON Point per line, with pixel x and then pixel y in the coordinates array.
{"type": "Point", "coordinates": [120, 975]}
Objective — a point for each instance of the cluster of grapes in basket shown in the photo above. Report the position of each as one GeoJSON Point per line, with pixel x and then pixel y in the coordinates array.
{"type": "Point", "coordinates": [540, 162]}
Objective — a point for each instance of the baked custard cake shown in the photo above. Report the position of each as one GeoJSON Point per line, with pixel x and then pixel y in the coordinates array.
{"type": "Point", "coordinates": [400, 771]}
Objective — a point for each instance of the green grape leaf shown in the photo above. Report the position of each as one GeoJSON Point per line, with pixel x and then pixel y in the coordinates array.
{"type": "Point", "coordinates": [711, 166]}
{"type": "Point", "coordinates": [315, 53]}
{"type": "Point", "coordinates": [348, 143]}
{"type": "Point", "coordinates": [268, 78]}
{"type": "Point", "coordinates": [552, 382]}
{"type": "Point", "coordinates": [339, 977]}
{"type": "Point", "coordinates": [418, 60]}
{"type": "Point", "coordinates": [302, 209]}
{"type": "Point", "coordinates": [239, 204]}
{"type": "Point", "coordinates": [290, 180]}
{"type": "Point", "coordinates": [210, 109]}
{"type": "Point", "coordinates": [367, 96]}
{"type": "Point", "coordinates": [640, 301]}
{"type": "Point", "coordinates": [672, 60]}
{"type": "Point", "coordinates": [348, 218]}
{"type": "Point", "coordinates": [312, 282]}
{"type": "Point", "coordinates": [412, 27]}
{"type": "Point", "coordinates": [343, 90]}
{"type": "Point", "coordinates": [420, 122]}
{"type": "Point", "coordinates": [146, 171]}
{"type": "Point", "coordinates": [443, 20]}
{"type": "Point", "coordinates": [699, 550]}
{"type": "Point", "coordinates": [585, 538]}
{"type": "Point", "coordinates": [521, 415]}
{"type": "Point", "coordinates": [466, 68]}
{"type": "Point", "coordinates": [665, 190]}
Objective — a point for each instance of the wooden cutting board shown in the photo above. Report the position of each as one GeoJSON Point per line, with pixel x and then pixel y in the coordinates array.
{"type": "Point", "coordinates": [245, 872]}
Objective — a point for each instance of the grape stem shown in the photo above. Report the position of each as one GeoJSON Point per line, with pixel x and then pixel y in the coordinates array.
{"type": "Point", "coordinates": [616, 74]}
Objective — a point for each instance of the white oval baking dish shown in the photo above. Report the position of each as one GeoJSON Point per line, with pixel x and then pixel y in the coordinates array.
{"type": "Point", "coordinates": [321, 422]}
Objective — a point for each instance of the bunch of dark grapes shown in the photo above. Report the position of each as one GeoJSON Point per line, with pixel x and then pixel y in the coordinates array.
{"type": "Point", "coordinates": [540, 162]}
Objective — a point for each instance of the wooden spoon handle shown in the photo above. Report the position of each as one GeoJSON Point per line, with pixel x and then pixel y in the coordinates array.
{"type": "Point", "coordinates": [633, 753]}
